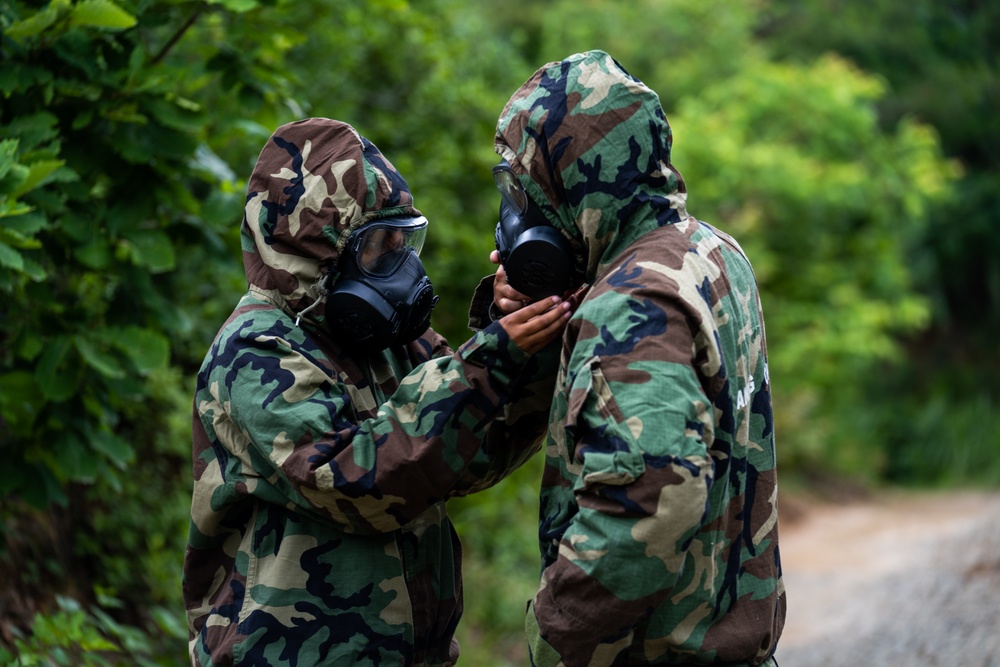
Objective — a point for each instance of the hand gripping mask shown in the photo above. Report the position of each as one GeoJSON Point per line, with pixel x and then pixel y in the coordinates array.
{"type": "Point", "coordinates": [537, 258]}
{"type": "Point", "coordinates": [383, 296]}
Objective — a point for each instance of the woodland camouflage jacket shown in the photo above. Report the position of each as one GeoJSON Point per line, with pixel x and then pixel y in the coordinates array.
{"type": "Point", "coordinates": [318, 526]}
{"type": "Point", "coordinates": [658, 528]}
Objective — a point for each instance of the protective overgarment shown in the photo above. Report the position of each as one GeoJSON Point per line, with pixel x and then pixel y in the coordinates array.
{"type": "Point", "coordinates": [658, 530]}
{"type": "Point", "coordinates": [319, 534]}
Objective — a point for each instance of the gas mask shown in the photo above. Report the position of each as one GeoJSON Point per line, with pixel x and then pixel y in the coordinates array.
{"type": "Point", "coordinates": [537, 258]}
{"type": "Point", "coordinates": [383, 296]}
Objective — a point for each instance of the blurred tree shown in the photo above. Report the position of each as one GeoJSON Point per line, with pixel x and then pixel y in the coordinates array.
{"type": "Point", "coordinates": [114, 212]}
{"type": "Point", "coordinates": [941, 63]}
{"type": "Point", "coordinates": [679, 46]}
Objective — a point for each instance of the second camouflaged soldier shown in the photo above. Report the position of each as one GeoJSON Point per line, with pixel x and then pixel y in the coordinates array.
{"type": "Point", "coordinates": [658, 528]}
{"type": "Point", "coordinates": [331, 424]}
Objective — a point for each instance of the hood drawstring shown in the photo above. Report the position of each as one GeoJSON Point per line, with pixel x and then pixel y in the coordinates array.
{"type": "Point", "coordinates": [321, 291]}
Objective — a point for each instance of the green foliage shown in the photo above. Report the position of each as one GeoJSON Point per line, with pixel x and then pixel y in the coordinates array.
{"type": "Point", "coordinates": [95, 212]}
{"type": "Point", "coordinates": [675, 46]}
{"type": "Point", "coordinates": [116, 235]}
{"type": "Point", "coordinates": [74, 636]}
{"type": "Point", "coordinates": [934, 427]}
{"type": "Point", "coordinates": [940, 62]}
{"type": "Point", "coordinates": [499, 530]}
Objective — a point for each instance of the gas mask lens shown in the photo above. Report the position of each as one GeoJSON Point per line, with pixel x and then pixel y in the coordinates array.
{"type": "Point", "coordinates": [381, 247]}
{"type": "Point", "coordinates": [511, 190]}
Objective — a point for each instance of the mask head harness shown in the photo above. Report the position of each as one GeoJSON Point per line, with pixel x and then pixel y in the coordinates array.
{"type": "Point", "coordinates": [536, 256]}
{"type": "Point", "coordinates": [382, 296]}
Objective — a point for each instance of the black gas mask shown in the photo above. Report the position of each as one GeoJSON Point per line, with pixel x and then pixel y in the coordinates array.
{"type": "Point", "coordinates": [383, 296]}
{"type": "Point", "coordinates": [537, 258]}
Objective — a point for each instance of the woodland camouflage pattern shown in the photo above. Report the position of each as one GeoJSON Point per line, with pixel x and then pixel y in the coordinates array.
{"type": "Point", "coordinates": [319, 534]}
{"type": "Point", "coordinates": [658, 529]}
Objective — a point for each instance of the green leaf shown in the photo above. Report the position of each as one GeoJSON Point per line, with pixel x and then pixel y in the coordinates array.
{"type": "Point", "coordinates": [28, 224]}
{"type": "Point", "coordinates": [17, 174]}
{"type": "Point", "coordinates": [83, 119]}
{"type": "Point", "coordinates": [8, 155]}
{"type": "Point", "coordinates": [169, 622]}
{"type": "Point", "coordinates": [98, 359]}
{"type": "Point", "coordinates": [174, 112]}
{"type": "Point", "coordinates": [10, 258]}
{"type": "Point", "coordinates": [29, 348]}
{"type": "Point", "coordinates": [153, 249]}
{"type": "Point", "coordinates": [20, 401]}
{"type": "Point", "coordinates": [34, 270]}
{"type": "Point", "coordinates": [124, 113]}
{"type": "Point", "coordinates": [71, 459]}
{"type": "Point", "coordinates": [101, 14]}
{"type": "Point", "coordinates": [35, 130]}
{"type": "Point", "coordinates": [32, 482]}
{"type": "Point", "coordinates": [148, 350]}
{"type": "Point", "coordinates": [18, 240]}
{"type": "Point", "coordinates": [116, 449]}
{"type": "Point", "coordinates": [11, 209]}
{"type": "Point", "coordinates": [51, 372]}
{"type": "Point", "coordinates": [39, 22]}
{"type": "Point", "coordinates": [94, 255]}
{"type": "Point", "coordinates": [236, 6]}
{"type": "Point", "coordinates": [205, 159]}
{"type": "Point", "coordinates": [38, 172]}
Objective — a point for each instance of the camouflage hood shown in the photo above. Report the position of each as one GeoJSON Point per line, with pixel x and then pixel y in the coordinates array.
{"type": "Point", "coordinates": [315, 181]}
{"type": "Point", "coordinates": [591, 144]}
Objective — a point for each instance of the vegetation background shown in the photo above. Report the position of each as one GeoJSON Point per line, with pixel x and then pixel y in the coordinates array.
{"type": "Point", "coordinates": [850, 147]}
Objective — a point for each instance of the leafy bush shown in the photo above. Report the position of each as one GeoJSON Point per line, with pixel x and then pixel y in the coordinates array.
{"type": "Point", "coordinates": [116, 236]}
{"type": "Point", "coordinates": [73, 636]}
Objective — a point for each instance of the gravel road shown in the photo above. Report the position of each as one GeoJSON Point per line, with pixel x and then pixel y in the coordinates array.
{"type": "Point", "coordinates": [901, 579]}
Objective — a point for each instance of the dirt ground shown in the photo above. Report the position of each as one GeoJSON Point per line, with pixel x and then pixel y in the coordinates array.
{"type": "Point", "coordinates": [896, 579]}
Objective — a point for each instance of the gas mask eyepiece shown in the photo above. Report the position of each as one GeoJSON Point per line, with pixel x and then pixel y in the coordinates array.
{"type": "Point", "coordinates": [536, 256]}
{"type": "Point", "coordinates": [383, 296]}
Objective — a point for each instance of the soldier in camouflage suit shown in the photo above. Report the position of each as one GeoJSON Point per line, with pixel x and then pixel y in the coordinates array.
{"type": "Point", "coordinates": [658, 510]}
{"type": "Point", "coordinates": [319, 534]}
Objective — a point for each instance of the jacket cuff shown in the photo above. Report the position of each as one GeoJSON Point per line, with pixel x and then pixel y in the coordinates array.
{"type": "Point", "coordinates": [496, 351]}
{"type": "Point", "coordinates": [483, 310]}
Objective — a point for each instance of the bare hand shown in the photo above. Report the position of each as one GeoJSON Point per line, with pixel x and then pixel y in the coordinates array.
{"type": "Point", "coordinates": [536, 325]}
{"type": "Point", "coordinates": [505, 297]}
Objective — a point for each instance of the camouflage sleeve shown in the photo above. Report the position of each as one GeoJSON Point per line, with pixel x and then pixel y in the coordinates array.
{"type": "Point", "coordinates": [483, 310]}
{"type": "Point", "coordinates": [294, 441]}
{"type": "Point", "coordinates": [635, 417]}
{"type": "Point", "coordinates": [517, 434]}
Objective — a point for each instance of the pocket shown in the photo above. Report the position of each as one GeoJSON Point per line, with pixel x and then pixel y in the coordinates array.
{"type": "Point", "coordinates": [603, 444]}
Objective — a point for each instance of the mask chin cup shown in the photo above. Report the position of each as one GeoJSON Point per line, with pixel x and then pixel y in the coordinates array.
{"type": "Point", "coordinates": [359, 316]}
{"type": "Point", "coordinates": [540, 263]}
{"type": "Point", "coordinates": [371, 315]}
